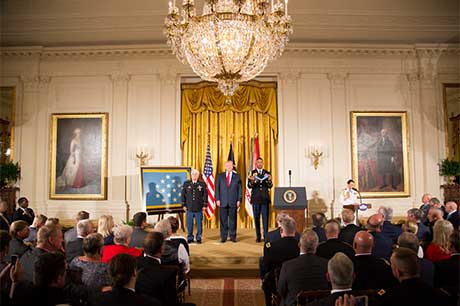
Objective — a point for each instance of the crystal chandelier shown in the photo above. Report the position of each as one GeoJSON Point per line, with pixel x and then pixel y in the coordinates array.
{"type": "Point", "coordinates": [232, 41]}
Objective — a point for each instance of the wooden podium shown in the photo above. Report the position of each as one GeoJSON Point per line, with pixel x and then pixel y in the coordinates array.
{"type": "Point", "coordinates": [292, 201]}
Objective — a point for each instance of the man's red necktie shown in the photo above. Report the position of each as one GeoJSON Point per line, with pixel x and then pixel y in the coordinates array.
{"type": "Point", "coordinates": [228, 179]}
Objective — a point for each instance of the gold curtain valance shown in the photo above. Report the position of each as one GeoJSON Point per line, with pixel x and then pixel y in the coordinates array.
{"type": "Point", "coordinates": [252, 96]}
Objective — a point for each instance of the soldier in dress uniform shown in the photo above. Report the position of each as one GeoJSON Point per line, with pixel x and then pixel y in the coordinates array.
{"type": "Point", "coordinates": [260, 181]}
{"type": "Point", "coordinates": [194, 202]}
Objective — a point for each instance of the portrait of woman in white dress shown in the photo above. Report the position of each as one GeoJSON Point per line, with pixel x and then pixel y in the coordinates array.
{"type": "Point", "coordinates": [72, 175]}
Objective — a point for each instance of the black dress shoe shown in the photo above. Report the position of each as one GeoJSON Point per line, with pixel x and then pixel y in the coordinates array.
{"type": "Point", "coordinates": [258, 240]}
{"type": "Point", "coordinates": [189, 241]}
{"type": "Point", "coordinates": [223, 240]}
{"type": "Point", "coordinates": [198, 241]}
{"type": "Point", "coordinates": [233, 240]}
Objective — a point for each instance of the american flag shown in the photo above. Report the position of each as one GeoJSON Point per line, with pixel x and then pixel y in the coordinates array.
{"type": "Point", "coordinates": [209, 180]}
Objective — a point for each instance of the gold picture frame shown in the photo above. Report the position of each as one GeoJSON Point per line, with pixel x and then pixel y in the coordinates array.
{"type": "Point", "coordinates": [78, 156]}
{"type": "Point", "coordinates": [450, 94]}
{"type": "Point", "coordinates": [380, 159]}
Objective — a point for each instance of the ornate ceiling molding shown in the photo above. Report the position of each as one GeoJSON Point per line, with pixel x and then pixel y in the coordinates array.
{"type": "Point", "coordinates": [163, 50]}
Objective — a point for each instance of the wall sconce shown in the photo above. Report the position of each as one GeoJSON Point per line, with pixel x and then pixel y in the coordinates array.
{"type": "Point", "coordinates": [315, 152]}
{"type": "Point", "coordinates": [143, 154]}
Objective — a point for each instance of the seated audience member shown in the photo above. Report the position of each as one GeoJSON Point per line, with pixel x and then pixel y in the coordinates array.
{"type": "Point", "coordinates": [71, 234]}
{"type": "Point", "coordinates": [19, 230]}
{"type": "Point", "coordinates": [347, 233]}
{"type": "Point", "coordinates": [53, 222]}
{"type": "Point", "coordinates": [389, 229]}
{"type": "Point", "coordinates": [370, 272]}
{"type": "Point", "coordinates": [438, 249]}
{"type": "Point", "coordinates": [4, 220]}
{"type": "Point", "coordinates": [423, 231]}
{"type": "Point", "coordinates": [382, 245]}
{"type": "Point", "coordinates": [275, 234]}
{"type": "Point", "coordinates": [412, 228]}
{"type": "Point", "coordinates": [105, 228]}
{"type": "Point", "coordinates": [436, 203]}
{"type": "Point", "coordinates": [122, 236]}
{"type": "Point", "coordinates": [275, 253]}
{"type": "Point", "coordinates": [333, 245]}
{"type": "Point", "coordinates": [138, 235]}
{"type": "Point", "coordinates": [5, 239]}
{"type": "Point", "coordinates": [48, 282]}
{"type": "Point", "coordinates": [122, 272]}
{"type": "Point", "coordinates": [94, 271]}
{"type": "Point", "coordinates": [174, 253]}
{"type": "Point", "coordinates": [39, 221]}
{"type": "Point", "coordinates": [23, 212]}
{"type": "Point", "coordinates": [411, 290]}
{"type": "Point", "coordinates": [174, 237]}
{"type": "Point", "coordinates": [453, 215]}
{"type": "Point", "coordinates": [434, 214]}
{"type": "Point", "coordinates": [447, 272]}
{"type": "Point", "coordinates": [74, 248]}
{"type": "Point", "coordinates": [318, 220]}
{"type": "Point", "coordinates": [425, 207]}
{"type": "Point", "coordinates": [163, 285]}
{"type": "Point", "coordinates": [306, 272]}
{"type": "Point", "coordinates": [410, 241]}
{"type": "Point", "coordinates": [5, 267]}
{"type": "Point", "coordinates": [340, 274]}
{"type": "Point", "coordinates": [49, 240]}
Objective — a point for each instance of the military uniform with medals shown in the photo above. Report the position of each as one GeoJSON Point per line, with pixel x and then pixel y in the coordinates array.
{"type": "Point", "coordinates": [260, 199]}
{"type": "Point", "coordinates": [195, 199]}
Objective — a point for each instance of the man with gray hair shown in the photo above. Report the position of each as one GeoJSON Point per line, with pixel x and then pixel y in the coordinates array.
{"type": "Point", "coordinates": [194, 201]}
{"type": "Point", "coordinates": [452, 214]}
{"type": "Point", "coordinates": [340, 274]}
{"type": "Point", "coordinates": [423, 231]}
{"type": "Point", "coordinates": [74, 248]}
{"type": "Point", "coordinates": [426, 205]}
{"type": "Point", "coordinates": [333, 245]}
{"type": "Point", "coordinates": [389, 229]}
{"type": "Point", "coordinates": [275, 234]}
{"type": "Point", "coordinates": [71, 234]}
{"type": "Point", "coordinates": [306, 272]}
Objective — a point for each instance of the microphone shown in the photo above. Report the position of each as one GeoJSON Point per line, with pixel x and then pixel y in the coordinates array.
{"type": "Point", "coordinates": [355, 189]}
{"type": "Point", "coordinates": [289, 172]}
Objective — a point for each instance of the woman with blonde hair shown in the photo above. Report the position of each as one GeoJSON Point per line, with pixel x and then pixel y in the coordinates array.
{"type": "Point", "coordinates": [439, 247]}
{"type": "Point", "coordinates": [412, 227]}
{"type": "Point", "coordinates": [105, 228]}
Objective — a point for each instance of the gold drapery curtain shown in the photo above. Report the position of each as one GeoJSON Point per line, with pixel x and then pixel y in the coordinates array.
{"type": "Point", "coordinates": [206, 117]}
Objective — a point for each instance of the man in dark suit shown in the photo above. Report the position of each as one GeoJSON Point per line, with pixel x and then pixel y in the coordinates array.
{"type": "Point", "coordinates": [410, 241]}
{"type": "Point", "coordinates": [306, 272]}
{"type": "Point", "coordinates": [24, 212]}
{"type": "Point", "coordinates": [370, 272]}
{"type": "Point", "coordinates": [4, 219]}
{"type": "Point", "coordinates": [425, 207]}
{"type": "Point", "coordinates": [389, 229]}
{"type": "Point", "coordinates": [138, 235]}
{"type": "Point", "coordinates": [71, 234]}
{"type": "Point", "coordinates": [154, 279]}
{"type": "Point", "coordinates": [333, 245]}
{"type": "Point", "coordinates": [228, 197]}
{"type": "Point", "coordinates": [447, 272]}
{"type": "Point", "coordinates": [382, 244]}
{"type": "Point", "coordinates": [260, 181]}
{"type": "Point", "coordinates": [385, 159]}
{"type": "Point", "coordinates": [275, 253]}
{"type": "Point", "coordinates": [275, 234]}
{"type": "Point", "coordinates": [194, 201]}
{"type": "Point", "coordinates": [122, 271]}
{"type": "Point", "coordinates": [348, 232]}
{"type": "Point", "coordinates": [411, 290]}
{"type": "Point", "coordinates": [452, 214]}
{"type": "Point", "coordinates": [340, 274]}
{"type": "Point", "coordinates": [74, 248]}
{"type": "Point", "coordinates": [318, 225]}
{"type": "Point", "coordinates": [423, 231]}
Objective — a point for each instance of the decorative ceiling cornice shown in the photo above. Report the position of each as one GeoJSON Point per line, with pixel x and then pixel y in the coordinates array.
{"type": "Point", "coordinates": [161, 50]}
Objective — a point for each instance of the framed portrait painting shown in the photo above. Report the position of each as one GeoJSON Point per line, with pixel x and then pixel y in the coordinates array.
{"type": "Point", "coordinates": [161, 188]}
{"type": "Point", "coordinates": [78, 156]}
{"type": "Point", "coordinates": [380, 164]}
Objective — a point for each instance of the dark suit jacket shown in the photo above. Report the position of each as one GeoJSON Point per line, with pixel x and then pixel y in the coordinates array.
{"type": "Point", "coordinates": [74, 249]}
{"type": "Point", "coordinates": [320, 232]}
{"type": "Point", "coordinates": [391, 231]}
{"type": "Point", "coordinates": [123, 297]}
{"type": "Point", "coordinates": [382, 246]}
{"type": "Point", "coordinates": [328, 249]}
{"type": "Point", "coordinates": [426, 271]}
{"type": "Point", "coordinates": [194, 196]}
{"type": "Point", "coordinates": [260, 189]}
{"type": "Point", "coordinates": [347, 234]}
{"type": "Point", "coordinates": [20, 214]}
{"type": "Point", "coordinates": [4, 224]}
{"type": "Point", "coordinates": [28, 260]}
{"type": "Point", "coordinates": [454, 219]}
{"type": "Point", "coordinates": [26, 294]}
{"type": "Point", "coordinates": [423, 232]}
{"type": "Point", "coordinates": [447, 274]}
{"type": "Point", "coordinates": [413, 292]}
{"type": "Point", "coordinates": [137, 238]}
{"type": "Point", "coordinates": [277, 252]}
{"type": "Point", "coordinates": [17, 247]}
{"type": "Point", "coordinates": [70, 234]}
{"type": "Point", "coordinates": [156, 280]}
{"type": "Point", "coordinates": [228, 196]}
{"type": "Point", "coordinates": [372, 273]}
{"type": "Point", "coordinates": [275, 235]}
{"type": "Point", "coordinates": [330, 300]}
{"type": "Point", "coordinates": [306, 272]}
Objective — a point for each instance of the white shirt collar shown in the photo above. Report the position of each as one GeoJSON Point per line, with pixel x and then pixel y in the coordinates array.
{"type": "Point", "coordinates": [156, 258]}
{"type": "Point", "coordinates": [363, 254]}
{"type": "Point", "coordinates": [340, 290]}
